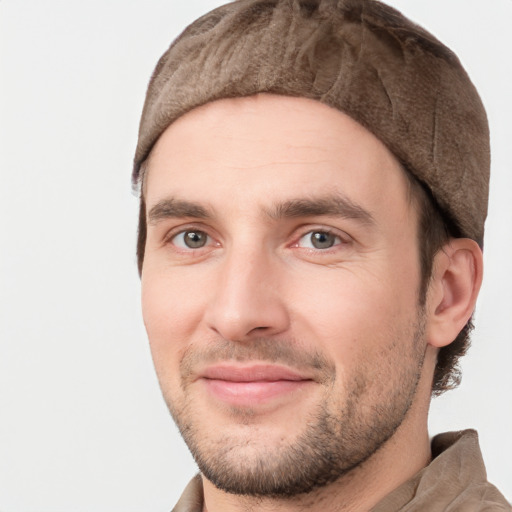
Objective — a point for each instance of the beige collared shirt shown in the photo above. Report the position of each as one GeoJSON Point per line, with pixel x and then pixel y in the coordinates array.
{"type": "Point", "coordinates": [455, 481]}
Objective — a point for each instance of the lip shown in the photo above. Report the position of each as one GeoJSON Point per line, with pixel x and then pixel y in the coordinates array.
{"type": "Point", "coordinates": [251, 385]}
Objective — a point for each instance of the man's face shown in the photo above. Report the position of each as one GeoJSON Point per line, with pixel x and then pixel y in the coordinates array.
{"type": "Point", "coordinates": [280, 291]}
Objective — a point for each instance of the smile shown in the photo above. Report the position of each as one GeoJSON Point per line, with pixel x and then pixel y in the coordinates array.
{"type": "Point", "coordinates": [252, 385]}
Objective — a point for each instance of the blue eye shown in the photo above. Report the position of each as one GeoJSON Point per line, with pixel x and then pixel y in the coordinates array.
{"type": "Point", "coordinates": [191, 239]}
{"type": "Point", "coordinates": [319, 240]}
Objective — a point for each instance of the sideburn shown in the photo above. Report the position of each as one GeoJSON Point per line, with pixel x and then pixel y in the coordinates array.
{"type": "Point", "coordinates": [141, 233]}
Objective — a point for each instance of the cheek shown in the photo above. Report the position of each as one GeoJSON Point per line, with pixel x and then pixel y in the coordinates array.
{"type": "Point", "coordinates": [354, 309]}
{"type": "Point", "coordinates": [171, 309]}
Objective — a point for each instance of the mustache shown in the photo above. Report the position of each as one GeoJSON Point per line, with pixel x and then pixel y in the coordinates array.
{"type": "Point", "coordinates": [275, 351]}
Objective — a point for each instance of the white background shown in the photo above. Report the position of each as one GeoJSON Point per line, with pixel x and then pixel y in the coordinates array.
{"type": "Point", "coordinates": [82, 423]}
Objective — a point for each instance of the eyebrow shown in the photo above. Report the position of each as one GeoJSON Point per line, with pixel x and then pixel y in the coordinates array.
{"type": "Point", "coordinates": [176, 208]}
{"type": "Point", "coordinates": [334, 205]}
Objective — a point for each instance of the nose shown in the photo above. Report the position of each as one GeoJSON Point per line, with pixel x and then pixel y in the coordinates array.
{"type": "Point", "coordinates": [247, 302]}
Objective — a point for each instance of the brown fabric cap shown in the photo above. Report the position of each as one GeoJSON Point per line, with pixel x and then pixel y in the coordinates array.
{"type": "Point", "coordinates": [359, 56]}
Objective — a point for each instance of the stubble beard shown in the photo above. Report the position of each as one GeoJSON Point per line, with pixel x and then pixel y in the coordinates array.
{"type": "Point", "coordinates": [342, 432]}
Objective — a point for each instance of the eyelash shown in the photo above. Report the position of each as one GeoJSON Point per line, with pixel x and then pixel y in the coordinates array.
{"type": "Point", "coordinates": [339, 239]}
{"type": "Point", "coordinates": [174, 234]}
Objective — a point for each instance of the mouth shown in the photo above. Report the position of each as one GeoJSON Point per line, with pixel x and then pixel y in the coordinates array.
{"type": "Point", "coordinates": [251, 385]}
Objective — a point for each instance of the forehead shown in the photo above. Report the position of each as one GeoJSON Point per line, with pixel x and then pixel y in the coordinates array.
{"type": "Point", "coordinates": [266, 147]}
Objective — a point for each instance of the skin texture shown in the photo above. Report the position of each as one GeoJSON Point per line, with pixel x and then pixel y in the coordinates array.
{"type": "Point", "coordinates": [280, 293]}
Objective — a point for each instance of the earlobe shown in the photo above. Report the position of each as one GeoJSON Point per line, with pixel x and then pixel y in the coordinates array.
{"type": "Point", "coordinates": [456, 280]}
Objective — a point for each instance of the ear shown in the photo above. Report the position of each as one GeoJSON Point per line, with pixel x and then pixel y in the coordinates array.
{"type": "Point", "coordinates": [453, 290]}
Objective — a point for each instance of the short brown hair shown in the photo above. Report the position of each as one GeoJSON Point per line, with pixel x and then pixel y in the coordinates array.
{"type": "Point", "coordinates": [435, 228]}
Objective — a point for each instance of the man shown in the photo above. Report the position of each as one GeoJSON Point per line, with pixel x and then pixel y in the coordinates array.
{"type": "Point", "coordinates": [313, 179]}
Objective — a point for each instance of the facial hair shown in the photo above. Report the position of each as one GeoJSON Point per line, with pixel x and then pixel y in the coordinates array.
{"type": "Point", "coordinates": [356, 415]}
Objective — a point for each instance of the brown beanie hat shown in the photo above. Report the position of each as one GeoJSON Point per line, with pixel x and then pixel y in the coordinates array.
{"type": "Point", "coordinates": [359, 56]}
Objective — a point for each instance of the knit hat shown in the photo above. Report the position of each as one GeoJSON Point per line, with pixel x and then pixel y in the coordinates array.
{"type": "Point", "coordinates": [358, 56]}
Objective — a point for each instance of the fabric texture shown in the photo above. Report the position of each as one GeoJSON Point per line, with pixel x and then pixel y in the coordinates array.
{"type": "Point", "coordinates": [455, 481]}
{"type": "Point", "coordinates": [359, 56]}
